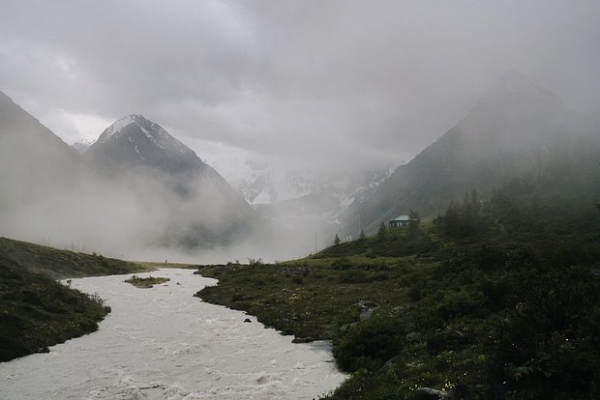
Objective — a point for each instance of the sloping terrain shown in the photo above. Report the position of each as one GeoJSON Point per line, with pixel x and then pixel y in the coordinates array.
{"type": "Point", "coordinates": [516, 128]}
{"type": "Point", "coordinates": [36, 311]}
{"type": "Point", "coordinates": [481, 303]}
{"type": "Point", "coordinates": [61, 264]}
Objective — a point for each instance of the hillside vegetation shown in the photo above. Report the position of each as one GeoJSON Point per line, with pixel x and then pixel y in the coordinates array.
{"type": "Point", "coordinates": [60, 264]}
{"type": "Point", "coordinates": [36, 311]}
{"type": "Point", "coordinates": [495, 299]}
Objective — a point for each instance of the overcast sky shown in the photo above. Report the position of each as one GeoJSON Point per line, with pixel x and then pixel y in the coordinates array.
{"type": "Point", "coordinates": [297, 84]}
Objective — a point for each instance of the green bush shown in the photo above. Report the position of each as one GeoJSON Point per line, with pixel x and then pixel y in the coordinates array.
{"type": "Point", "coordinates": [354, 276]}
{"type": "Point", "coordinates": [341, 264]}
{"type": "Point", "coordinates": [369, 344]}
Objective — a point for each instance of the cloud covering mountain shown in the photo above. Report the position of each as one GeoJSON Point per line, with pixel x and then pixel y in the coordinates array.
{"type": "Point", "coordinates": [518, 129]}
{"type": "Point", "coordinates": [326, 85]}
{"type": "Point", "coordinates": [136, 191]}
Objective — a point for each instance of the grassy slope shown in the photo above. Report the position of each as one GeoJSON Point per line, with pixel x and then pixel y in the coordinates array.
{"type": "Point", "coordinates": [312, 298]}
{"type": "Point", "coordinates": [60, 264]}
{"type": "Point", "coordinates": [494, 315]}
{"type": "Point", "coordinates": [35, 310]}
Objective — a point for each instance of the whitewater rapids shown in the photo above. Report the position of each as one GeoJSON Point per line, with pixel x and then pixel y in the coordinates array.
{"type": "Point", "coordinates": [163, 343]}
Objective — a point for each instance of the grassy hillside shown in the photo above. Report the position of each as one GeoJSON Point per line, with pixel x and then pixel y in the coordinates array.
{"type": "Point", "coordinates": [59, 264]}
{"type": "Point", "coordinates": [483, 302]}
{"type": "Point", "coordinates": [36, 311]}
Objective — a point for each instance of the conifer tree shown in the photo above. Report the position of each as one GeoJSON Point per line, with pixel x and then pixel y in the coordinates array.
{"type": "Point", "coordinates": [382, 232]}
{"type": "Point", "coordinates": [414, 223]}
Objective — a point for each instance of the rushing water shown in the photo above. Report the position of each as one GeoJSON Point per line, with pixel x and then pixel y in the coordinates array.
{"type": "Point", "coordinates": [163, 343]}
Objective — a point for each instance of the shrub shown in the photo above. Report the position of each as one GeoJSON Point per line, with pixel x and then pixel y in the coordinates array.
{"type": "Point", "coordinates": [354, 276]}
{"type": "Point", "coordinates": [368, 344]}
{"type": "Point", "coordinates": [341, 264]}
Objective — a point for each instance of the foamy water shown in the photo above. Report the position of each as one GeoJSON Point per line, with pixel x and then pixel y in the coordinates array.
{"type": "Point", "coordinates": [163, 343]}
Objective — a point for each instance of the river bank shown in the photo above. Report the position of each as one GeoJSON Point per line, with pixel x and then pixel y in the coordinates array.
{"type": "Point", "coordinates": [164, 343]}
{"type": "Point", "coordinates": [470, 315]}
{"type": "Point", "coordinates": [35, 310]}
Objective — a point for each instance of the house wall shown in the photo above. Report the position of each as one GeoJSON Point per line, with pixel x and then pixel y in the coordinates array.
{"type": "Point", "coordinates": [398, 224]}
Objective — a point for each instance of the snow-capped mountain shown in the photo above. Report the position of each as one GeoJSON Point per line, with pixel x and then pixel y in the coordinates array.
{"type": "Point", "coordinates": [136, 141]}
{"type": "Point", "coordinates": [307, 203]}
{"type": "Point", "coordinates": [82, 146]}
{"type": "Point", "coordinates": [263, 185]}
{"type": "Point", "coordinates": [200, 208]}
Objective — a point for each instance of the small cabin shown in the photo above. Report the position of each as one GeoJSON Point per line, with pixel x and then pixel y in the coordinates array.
{"type": "Point", "coordinates": [399, 222]}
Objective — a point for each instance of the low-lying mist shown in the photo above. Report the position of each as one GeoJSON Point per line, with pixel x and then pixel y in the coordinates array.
{"type": "Point", "coordinates": [178, 209]}
{"type": "Point", "coordinates": [138, 215]}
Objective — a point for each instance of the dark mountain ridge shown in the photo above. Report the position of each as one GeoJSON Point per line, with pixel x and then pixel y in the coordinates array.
{"type": "Point", "coordinates": [517, 127]}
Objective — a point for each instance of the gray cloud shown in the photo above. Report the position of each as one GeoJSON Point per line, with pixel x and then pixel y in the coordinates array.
{"type": "Point", "coordinates": [327, 84]}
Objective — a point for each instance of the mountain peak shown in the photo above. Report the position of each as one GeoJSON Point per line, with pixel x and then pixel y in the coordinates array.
{"type": "Point", "coordinates": [119, 126]}
{"type": "Point", "coordinates": [514, 114]}
{"type": "Point", "coordinates": [82, 146]}
{"type": "Point", "coordinates": [135, 140]}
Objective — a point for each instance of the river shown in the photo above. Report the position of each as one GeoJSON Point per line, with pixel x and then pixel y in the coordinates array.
{"type": "Point", "coordinates": [163, 343]}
